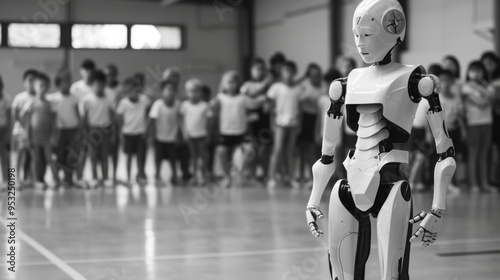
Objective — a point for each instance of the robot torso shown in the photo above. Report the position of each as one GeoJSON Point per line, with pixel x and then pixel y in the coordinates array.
{"type": "Point", "coordinates": [381, 102]}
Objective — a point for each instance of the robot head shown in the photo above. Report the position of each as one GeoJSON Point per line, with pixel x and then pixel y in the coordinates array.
{"type": "Point", "coordinates": [378, 25]}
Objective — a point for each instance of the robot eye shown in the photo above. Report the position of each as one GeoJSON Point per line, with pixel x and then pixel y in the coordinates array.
{"type": "Point", "coordinates": [368, 35]}
{"type": "Point", "coordinates": [357, 36]}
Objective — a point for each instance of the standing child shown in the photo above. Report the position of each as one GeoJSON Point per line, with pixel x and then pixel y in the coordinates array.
{"type": "Point", "coordinates": [83, 89]}
{"type": "Point", "coordinates": [453, 106]}
{"type": "Point", "coordinates": [194, 124]}
{"type": "Point", "coordinates": [133, 111]}
{"type": "Point", "coordinates": [40, 128]}
{"type": "Point", "coordinates": [314, 88]}
{"type": "Point", "coordinates": [228, 109]}
{"type": "Point", "coordinates": [113, 91]}
{"type": "Point", "coordinates": [20, 129]}
{"type": "Point", "coordinates": [164, 122]}
{"type": "Point", "coordinates": [98, 116]}
{"type": "Point", "coordinates": [68, 122]}
{"type": "Point", "coordinates": [4, 135]}
{"type": "Point", "coordinates": [478, 104]}
{"type": "Point", "coordinates": [259, 123]}
{"type": "Point", "coordinates": [286, 96]}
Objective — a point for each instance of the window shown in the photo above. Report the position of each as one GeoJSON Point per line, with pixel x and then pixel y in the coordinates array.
{"type": "Point", "coordinates": [156, 37]}
{"type": "Point", "coordinates": [30, 35]}
{"type": "Point", "coordinates": [99, 36]}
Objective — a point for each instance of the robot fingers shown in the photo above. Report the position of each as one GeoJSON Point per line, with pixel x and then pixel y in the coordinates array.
{"type": "Point", "coordinates": [316, 232]}
{"type": "Point", "coordinates": [418, 218]}
{"type": "Point", "coordinates": [315, 213]}
{"type": "Point", "coordinates": [312, 215]}
{"type": "Point", "coordinates": [419, 232]}
{"type": "Point", "coordinates": [428, 239]}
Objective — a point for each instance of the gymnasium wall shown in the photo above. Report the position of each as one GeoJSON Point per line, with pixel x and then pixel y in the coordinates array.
{"type": "Point", "coordinates": [437, 28]}
{"type": "Point", "coordinates": [211, 43]}
{"type": "Point", "coordinates": [301, 30]}
{"type": "Point", "coordinates": [298, 28]}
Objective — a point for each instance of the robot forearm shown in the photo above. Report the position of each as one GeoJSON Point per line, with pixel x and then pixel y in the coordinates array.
{"type": "Point", "coordinates": [324, 168]}
{"type": "Point", "coordinates": [445, 167]}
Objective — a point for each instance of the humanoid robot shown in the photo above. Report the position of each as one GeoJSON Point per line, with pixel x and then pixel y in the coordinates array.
{"type": "Point", "coordinates": [379, 102]}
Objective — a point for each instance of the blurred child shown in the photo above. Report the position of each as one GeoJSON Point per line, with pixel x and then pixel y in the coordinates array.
{"type": "Point", "coordinates": [213, 136]}
{"type": "Point", "coordinates": [114, 92]}
{"type": "Point", "coordinates": [452, 105]}
{"type": "Point", "coordinates": [259, 122]}
{"type": "Point", "coordinates": [83, 88]}
{"type": "Point", "coordinates": [492, 64]}
{"type": "Point", "coordinates": [164, 122]}
{"type": "Point", "coordinates": [133, 111]}
{"type": "Point", "coordinates": [194, 124]}
{"type": "Point", "coordinates": [276, 62]}
{"type": "Point", "coordinates": [314, 88]}
{"type": "Point", "coordinates": [41, 124]}
{"type": "Point", "coordinates": [5, 126]}
{"type": "Point", "coordinates": [478, 100]}
{"type": "Point", "coordinates": [65, 105]}
{"type": "Point", "coordinates": [98, 117]}
{"type": "Point", "coordinates": [286, 96]}
{"type": "Point", "coordinates": [20, 139]}
{"type": "Point", "coordinates": [228, 108]}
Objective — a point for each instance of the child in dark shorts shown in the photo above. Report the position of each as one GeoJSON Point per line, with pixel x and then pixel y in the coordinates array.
{"type": "Point", "coordinates": [98, 118]}
{"type": "Point", "coordinates": [228, 108]}
{"type": "Point", "coordinates": [5, 127]}
{"type": "Point", "coordinates": [164, 123]}
{"type": "Point", "coordinates": [314, 88]}
{"type": "Point", "coordinates": [133, 111]}
{"type": "Point", "coordinates": [259, 120]}
{"type": "Point", "coordinates": [40, 128]}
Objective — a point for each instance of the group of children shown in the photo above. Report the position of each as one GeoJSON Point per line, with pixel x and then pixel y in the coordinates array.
{"type": "Point", "coordinates": [270, 122]}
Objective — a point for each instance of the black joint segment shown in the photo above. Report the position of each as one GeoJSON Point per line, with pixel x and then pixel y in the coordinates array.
{"type": "Point", "coordinates": [336, 107]}
{"type": "Point", "coordinates": [335, 110]}
{"type": "Point", "coordinates": [434, 103]}
{"type": "Point", "coordinates": [406, 191]}
{"type": "Point", "coordinates": [415, 78]}
{"type": "Point", "coordinates": [449, 153]}
{"type": "Point", "coordinates": [326, 159]}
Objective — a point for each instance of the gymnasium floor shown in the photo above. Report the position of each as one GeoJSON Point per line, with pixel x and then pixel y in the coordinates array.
{"type": "Point", "coordinates": [239, 233]}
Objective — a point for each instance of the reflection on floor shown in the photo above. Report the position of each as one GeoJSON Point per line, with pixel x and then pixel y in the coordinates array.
{"type": "Point", "coordinates": [212, 233]}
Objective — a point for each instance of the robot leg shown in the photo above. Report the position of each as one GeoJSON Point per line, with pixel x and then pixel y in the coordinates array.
{"type": "Point", "coordinates": [394, 232]}
{"type": "Point", "coordinates": [348, 235]}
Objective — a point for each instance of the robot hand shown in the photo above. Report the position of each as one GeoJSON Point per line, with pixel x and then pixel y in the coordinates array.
{"type": "Point", "coordinates": [313, 214]}
{"type": "Point", "coordinates": [430, 226]}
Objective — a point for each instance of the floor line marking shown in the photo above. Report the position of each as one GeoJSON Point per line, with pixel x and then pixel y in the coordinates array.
{"type": "Point", "coordinates": [241, 253]}
{"type": "Point", "coordinates": [55, 260]}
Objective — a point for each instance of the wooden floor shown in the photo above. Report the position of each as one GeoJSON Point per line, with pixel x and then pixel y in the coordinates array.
{"type": "Point", "coordinates": [210, 233]}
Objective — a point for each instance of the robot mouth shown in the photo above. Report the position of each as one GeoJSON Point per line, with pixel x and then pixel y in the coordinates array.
{"type": "Point", "coordinates": [365, 53]}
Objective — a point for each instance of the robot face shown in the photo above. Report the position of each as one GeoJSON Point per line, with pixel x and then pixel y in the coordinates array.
{"type": "Point", "coordinates": [377, 27]}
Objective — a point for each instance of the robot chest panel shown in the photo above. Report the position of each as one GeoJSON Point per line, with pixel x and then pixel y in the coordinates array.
{"type": "Point", "coordinates": [387, 86]}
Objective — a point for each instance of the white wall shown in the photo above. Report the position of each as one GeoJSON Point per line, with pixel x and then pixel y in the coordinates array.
{"type": "Point", "coordinates": [436, 28]}
{"type": "Point", "coordinates": [211, 43]}
{"type": "Point", "coordinates": [298, 28]}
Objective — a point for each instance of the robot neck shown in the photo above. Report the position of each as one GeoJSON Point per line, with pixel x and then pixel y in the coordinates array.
{"type": "Point", "coordinates": [387, 59]}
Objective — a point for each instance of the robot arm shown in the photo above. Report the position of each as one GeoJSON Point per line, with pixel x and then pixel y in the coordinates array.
{"type": "Point", "coordinates": [429, 87]}
{"type": "Point", "coordinates": [324, 168]}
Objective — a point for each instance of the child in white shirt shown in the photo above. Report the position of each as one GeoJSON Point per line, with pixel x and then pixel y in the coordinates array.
{"type": "Point", "coordinates": [98, 118]}
{"type": "Point", "coordinates": [287, 97]}
{"type": "Point", "coordinates": [228, 108]}
{"type": "Point", "coordinates": [164, 122]}
{"type": "Point", "coordinates": [133, 111]}
{"type": "Point", "coordinates": [194, 124]}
